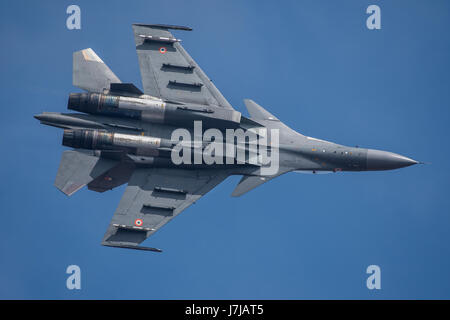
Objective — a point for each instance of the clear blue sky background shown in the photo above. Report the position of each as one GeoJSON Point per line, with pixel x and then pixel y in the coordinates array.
{"type": "Point", "coordinates": [316, 66]}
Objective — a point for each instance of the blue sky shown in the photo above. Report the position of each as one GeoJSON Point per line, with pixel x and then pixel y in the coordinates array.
{"type": "Point", "coordinates": [316, 66]}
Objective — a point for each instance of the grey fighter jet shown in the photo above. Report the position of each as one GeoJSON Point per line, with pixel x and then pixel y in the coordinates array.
{"type": "Point", "coordinates": [121, 134]}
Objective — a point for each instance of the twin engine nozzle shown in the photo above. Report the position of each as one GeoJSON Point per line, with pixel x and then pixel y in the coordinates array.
{"type": "Point", "coordinates": [150, 109]}
{"type": "Point", "coordinates": [129, 107]}
{"type": "Point", "coordinates": [87, 139]}
{"type": "Point", "coordinates": [100, 140]}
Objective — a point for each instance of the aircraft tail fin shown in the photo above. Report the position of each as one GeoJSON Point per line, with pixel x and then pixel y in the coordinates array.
{"type": "Point", "coordinates": [91, 73]}
{"type": "Point", "coordinates": [79, 168]}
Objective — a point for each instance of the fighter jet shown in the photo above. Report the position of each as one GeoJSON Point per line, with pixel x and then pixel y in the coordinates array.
{"type": "Point", "coordinates": [166, 142]}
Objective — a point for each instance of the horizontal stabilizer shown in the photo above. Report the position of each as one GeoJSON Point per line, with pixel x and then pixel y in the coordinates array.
{"type": "Point", "coordinates": [78, 169]}
{"type": "Point", "coordinates": [91, 73]}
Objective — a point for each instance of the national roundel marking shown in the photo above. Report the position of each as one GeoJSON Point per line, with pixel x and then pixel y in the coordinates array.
{"type": "Point", "coordinates": [138, 222]}
{"type": "Point", "coordinates": [162, 50]}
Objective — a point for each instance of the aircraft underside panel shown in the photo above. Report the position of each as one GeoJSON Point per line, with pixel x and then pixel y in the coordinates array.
{"type": "Point", "coordinates": [153, 197]}
{"type": "Point", "coordinates": [169, 73]}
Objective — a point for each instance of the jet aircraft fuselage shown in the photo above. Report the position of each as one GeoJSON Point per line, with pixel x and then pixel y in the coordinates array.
{"type": "Point", "coordinates": [177, 139]}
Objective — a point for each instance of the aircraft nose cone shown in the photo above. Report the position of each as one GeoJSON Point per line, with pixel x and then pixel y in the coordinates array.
{"type": "Point", "coordinates": [38, 116]}
{"type": "Point", "coordinates": [383, 160]}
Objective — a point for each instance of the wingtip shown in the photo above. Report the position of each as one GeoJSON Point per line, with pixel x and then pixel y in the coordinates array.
{"type": "Point", "coordinates": [163, 26]}
{"type": "Point", "coordinates": [130, 246]}
{"type": "Point", "coordinates": [248, 101]}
